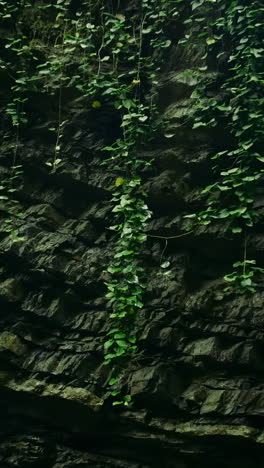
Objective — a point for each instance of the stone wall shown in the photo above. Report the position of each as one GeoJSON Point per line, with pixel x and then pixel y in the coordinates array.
{"type": "Point", "coordinates": [197, 382]}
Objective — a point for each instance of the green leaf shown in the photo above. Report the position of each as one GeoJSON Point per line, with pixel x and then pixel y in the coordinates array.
{"type": "Point", "coordinates": [124, 253]}
{"type": "Point", "coordinates": [108, 344]}
{"type": "Point", "coordinates": [132, 339]}
{"type": "Point", "coordinates": [246, 146]}
{"type": "Point", "coordinates": [210, 41]}
{"type": "Point", "coordinates": [122, 343]}
{"type": "Point", "coordinates": [119, 336]}
{"type": "Point", "coordinates": [208, 188]}
{"type": "Point", "coordinates": [166, 44]}
{"type": "Point", "coordinates": [223, 214]}
{"type": "Point", "coordinates": [21, 81]}
{"type": "Point", "coordinates": [112, 332]}
{"type": "Point", "coordinates": [127, 398]}
{"type": "Point", "coordinates": [246, 282]}
{"type": "Point", "coordinates": [108, 148]}
{"type": "Point", "coordinates": [110, 356]}
{"type": "Point", "coordinates": [127, 103]}
{"type": "Point", "coordinates": [199, 124]}
{"type": "Point", "coordinates": [229, 278]}
{"type": "Point", "coordinates": [196, 4]}
{"type": "Point", "coordinates": [114, 380]}
{"type": "Point", "coordinates": [236, 230]}
{"type": "Point", "coordinates": [146, 31]}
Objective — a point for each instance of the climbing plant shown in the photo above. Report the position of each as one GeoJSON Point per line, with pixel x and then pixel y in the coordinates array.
{"type": "Point", "coordinates": [117, 60]}
{"type": "Point", "coordinates": [138, 121]}
{"type": "Point", "coordinates": [20, 53]}
{"type": "Point", "coordinates": [114, 59]}
{"type": "Point", "coordinates": [233, 31]}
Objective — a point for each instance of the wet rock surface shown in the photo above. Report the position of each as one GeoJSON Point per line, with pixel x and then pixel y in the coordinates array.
{"type": "Point", "coordinates": [197, 382]}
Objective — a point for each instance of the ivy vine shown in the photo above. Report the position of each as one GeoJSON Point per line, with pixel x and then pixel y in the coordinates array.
{"type": "Point", "coordinates": [117, 60]}
{"type": "Point", "coordinates": [138, 117]}
{"type": "Point", "coordinates": [233, 31]}
{"type": "Point", "coordinates": [113, 58]}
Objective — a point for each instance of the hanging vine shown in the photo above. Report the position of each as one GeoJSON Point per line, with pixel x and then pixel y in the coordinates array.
{"type": "Point", "coordinates": [20, 52]}
{"type": "Point", "coordinates": [127, 284]}
{"type": "Point", "coordinates": [239, 107]}
{"type": "Point", "coordinates": [116, 60]}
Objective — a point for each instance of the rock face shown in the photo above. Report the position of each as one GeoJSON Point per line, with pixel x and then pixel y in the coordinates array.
{"type": "Point", "coordinates": [197, 382]}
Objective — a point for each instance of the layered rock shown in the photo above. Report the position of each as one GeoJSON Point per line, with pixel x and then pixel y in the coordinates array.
{"type": "Point", "coordinates": [197, 381]}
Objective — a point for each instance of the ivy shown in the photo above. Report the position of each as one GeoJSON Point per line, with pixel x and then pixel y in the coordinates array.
{"type": "Point", "coordinates": [127, 284]}
{"type": "Point", "coordinates": [18, 48]}
{"type": "Point", "coordinates": [239, 107]}
{"type": "Point", "coordinates": [116, 61]}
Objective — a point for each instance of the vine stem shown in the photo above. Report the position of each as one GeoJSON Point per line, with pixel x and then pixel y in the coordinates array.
{"type": "Point", "coordinates": [102, 44]}
{"type": "Point", "coordinates": [16, 146]}
{"type": "Point", "coordinates": [139, 53]}
{"type": "Point", "coordinates": [140, 44]}
{"type": "Point", "coordinates": [245, 254]}
{"type": "Point", "coordinates": [170, 237]}
{"type": "Point", "coordinates": [161, 237]}
{"type": "Point", "coordinates": [163, 251]}
{"type": "Point", "coordinates": [57, 144]}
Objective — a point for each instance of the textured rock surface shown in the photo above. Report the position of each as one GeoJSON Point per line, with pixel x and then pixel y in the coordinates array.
{"type": "Point", "coordinates": [197, 383]}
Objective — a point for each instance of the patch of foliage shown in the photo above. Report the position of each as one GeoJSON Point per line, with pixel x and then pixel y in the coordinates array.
{"type": "Point", "coordinates": [234, 32]}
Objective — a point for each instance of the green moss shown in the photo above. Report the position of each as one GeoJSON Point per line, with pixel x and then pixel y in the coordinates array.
{"type": "Point", "coordinates": [197, 430]}
{"type": "Point", "coordinates": [11, 290]}
{"type": "Point", "coordinates": [12, 343]}
{"type": "Point", "coordinates": [41, 388]}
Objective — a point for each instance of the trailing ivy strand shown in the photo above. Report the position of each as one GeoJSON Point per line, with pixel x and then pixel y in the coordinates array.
{"type": "Point", "coordinates": [138, 122]}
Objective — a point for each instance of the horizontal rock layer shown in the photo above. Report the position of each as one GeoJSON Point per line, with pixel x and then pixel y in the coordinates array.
{"type": "Point", "coordinates": [197, 381]}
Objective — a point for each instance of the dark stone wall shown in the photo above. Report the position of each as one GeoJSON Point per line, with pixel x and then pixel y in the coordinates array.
{"type": "Point", "coordinates": [197, 382]}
